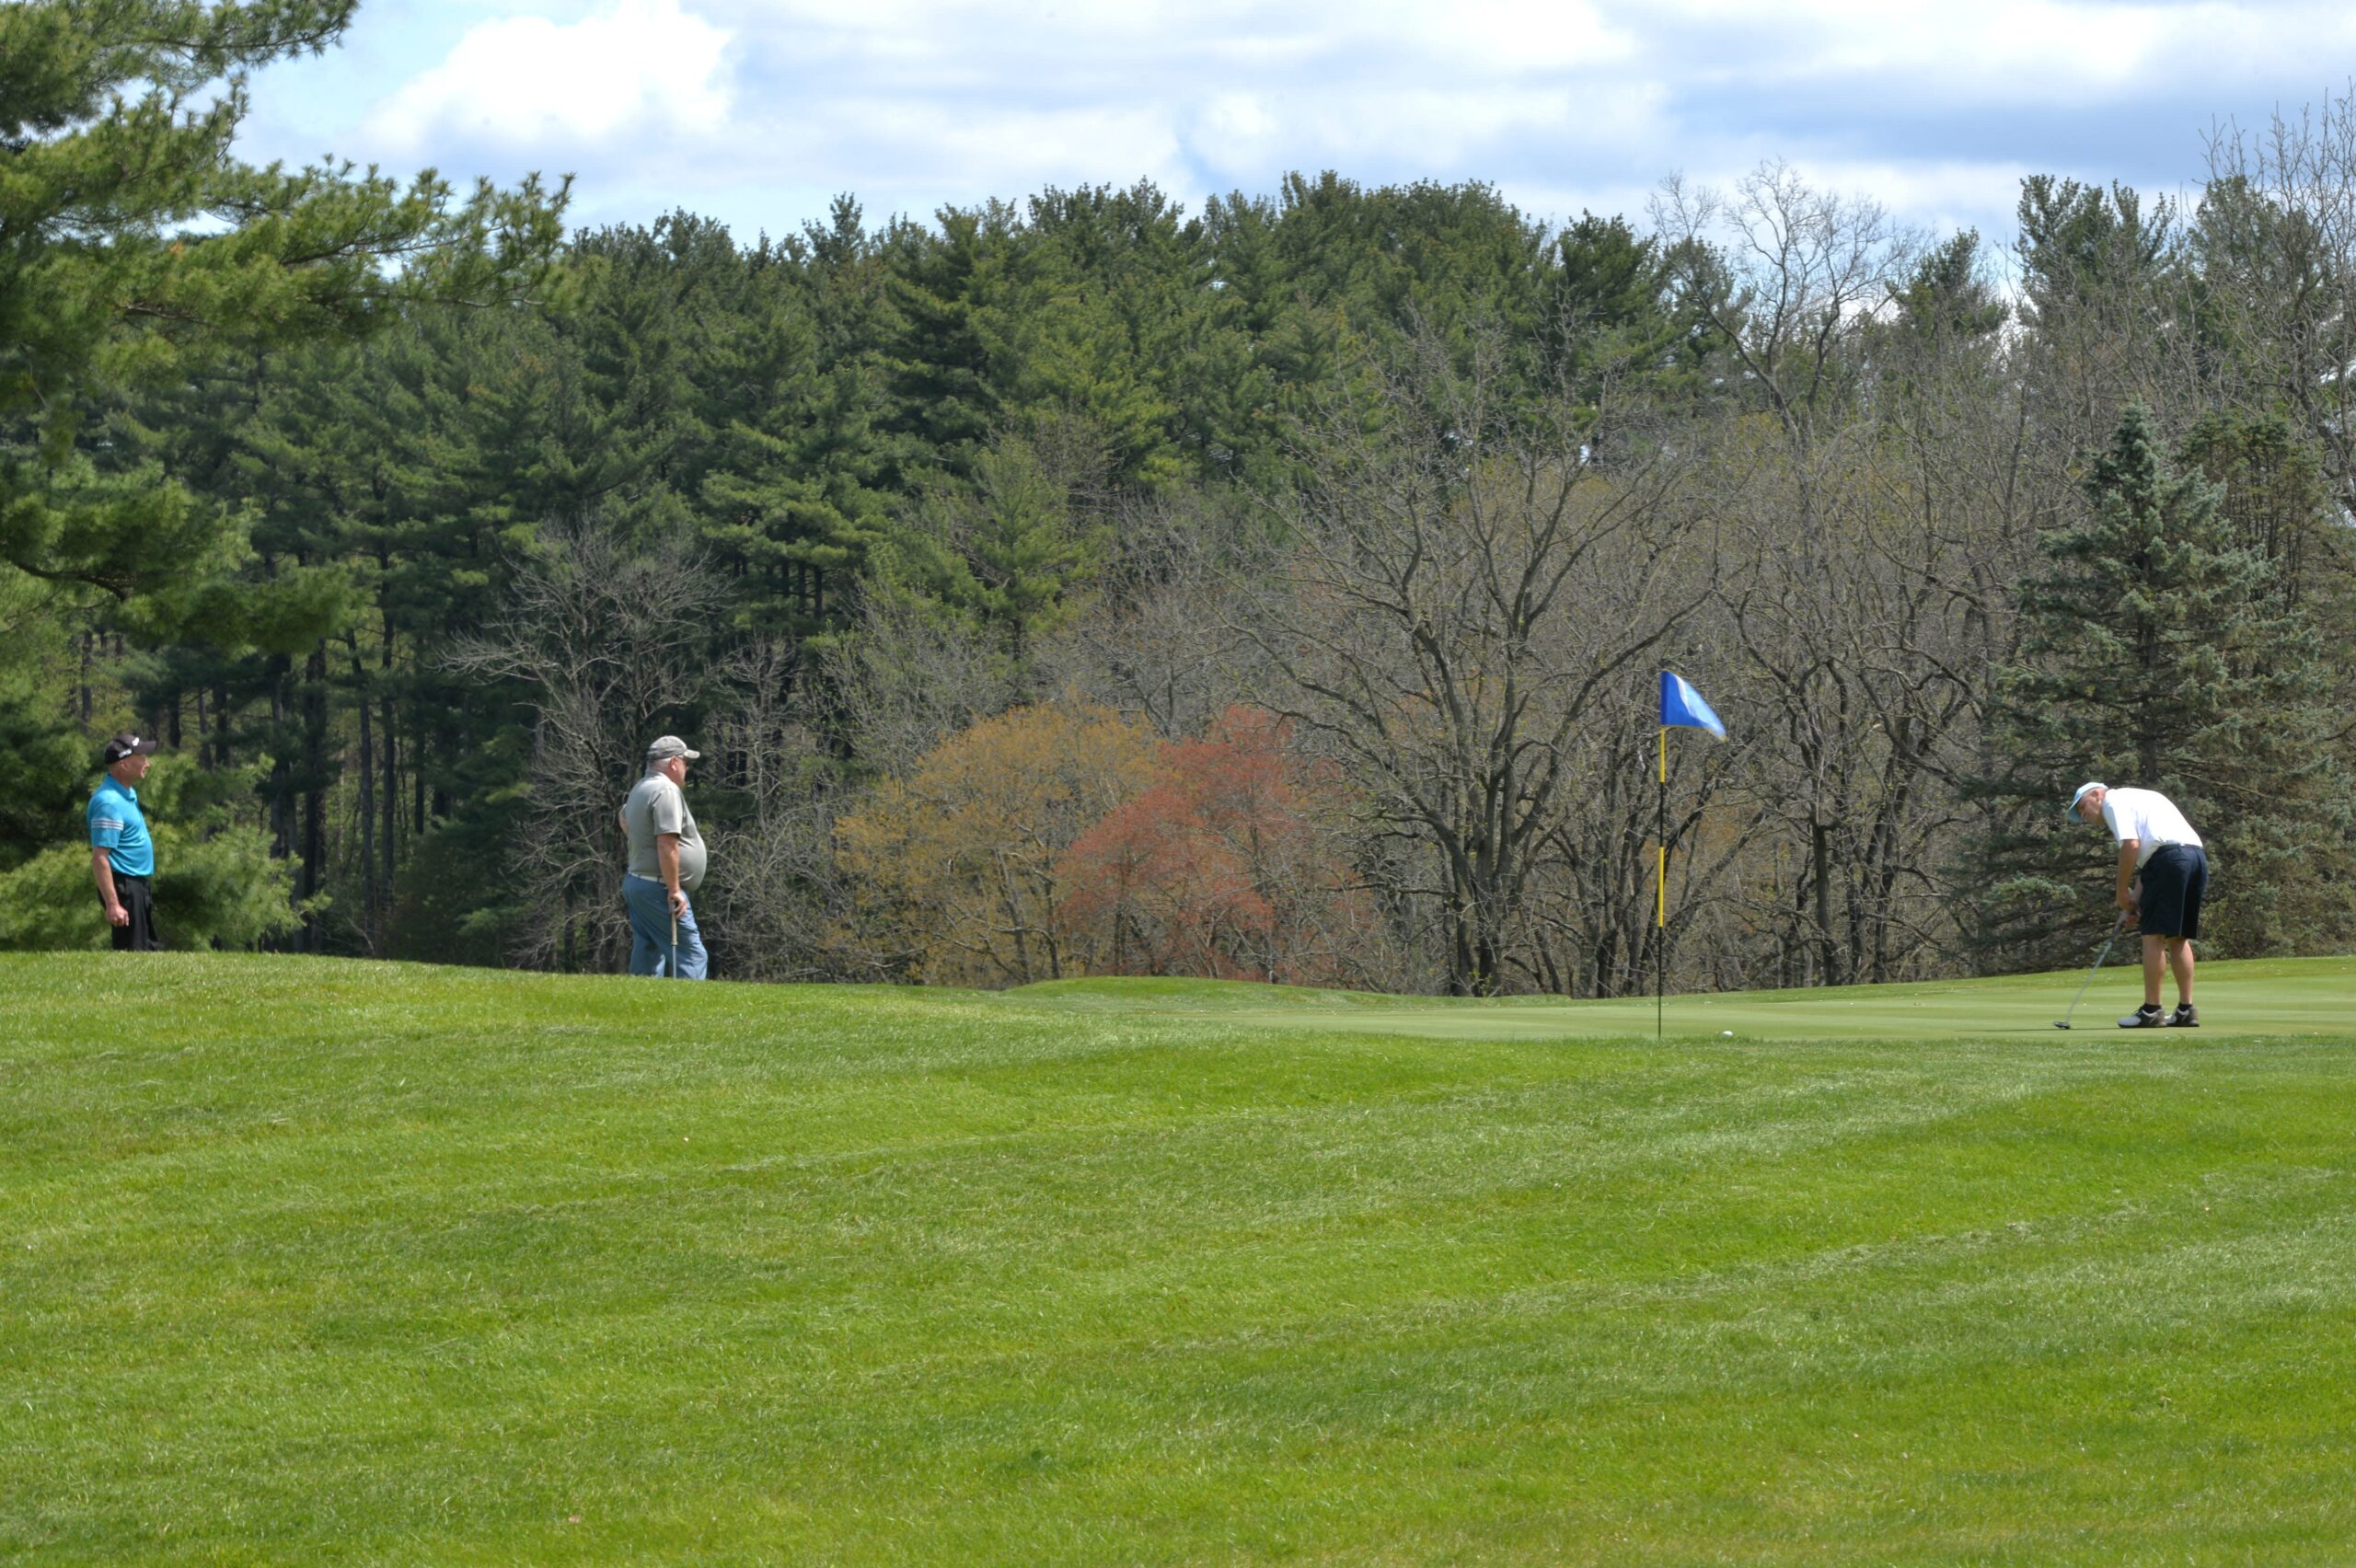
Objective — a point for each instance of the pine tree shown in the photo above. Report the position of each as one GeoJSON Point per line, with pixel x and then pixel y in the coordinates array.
{"type": "Point", "coordinates": [1611, 316]}
{"type": "Point", "coordinates": [1096, 324]}
{"type": "Point", "coordinates": [114, 158]}
{"type": "Point", "coordinates": [138, 257]}
{"type": "Point", "coordinates": [1007, 551]}
{"type": "Point", "coordinates": [2156, 653]}
{"type": "Point", "coordinates": [789, 505]}
{"type": "Point", "coordinates": [936, 349]}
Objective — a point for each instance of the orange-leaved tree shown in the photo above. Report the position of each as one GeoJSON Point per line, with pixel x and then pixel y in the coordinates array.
{"type": "Point", "coordinates": [958, 861]}
{"type": "Point", "coordinates": [1230, 866]}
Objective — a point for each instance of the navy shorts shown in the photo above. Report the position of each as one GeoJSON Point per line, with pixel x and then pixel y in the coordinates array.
{"type": "Point", "coordinates": [2174, 880]}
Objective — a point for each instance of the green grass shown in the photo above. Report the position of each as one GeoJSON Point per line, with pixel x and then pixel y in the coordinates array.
{"type": "Point", "coordinates": [2237, 1002]}
{"type": "Point", "coordinates": [309, 1262]}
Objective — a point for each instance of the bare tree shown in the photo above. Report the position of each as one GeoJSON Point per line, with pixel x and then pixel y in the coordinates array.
{"type": "Point", "coordinates": [1594, 930]}
{"type": "Point", "coordinates": [1468, 590]}
{"type": "Point", "coordinates": [1161, 641]}
{"type": "Point", "coordinates": [1865, 570]}
{"type": "Point", "coordinates": [606, 645]}
{"type": "Point", "coordinates": [1783, 276]}
{"type": "Point", "coordinates": [909, 675]}
{"type": "Point", "coordinates": [776, 890]}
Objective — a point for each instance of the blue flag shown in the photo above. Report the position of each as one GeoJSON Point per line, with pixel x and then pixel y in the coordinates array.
{"type": "Point", "coordinates": [1680, 704]}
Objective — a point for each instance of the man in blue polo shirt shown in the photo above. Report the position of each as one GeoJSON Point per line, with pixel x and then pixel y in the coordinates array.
{"type": "Point", "coordinates": [123, 857]}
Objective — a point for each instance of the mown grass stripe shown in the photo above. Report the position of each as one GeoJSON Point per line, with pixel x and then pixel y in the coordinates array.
{"type": "Point", "coordinates": [339, 1262]}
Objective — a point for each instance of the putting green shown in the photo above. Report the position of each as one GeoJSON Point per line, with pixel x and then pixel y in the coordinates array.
{"type": "Point", "coordinates": [2266, 997]}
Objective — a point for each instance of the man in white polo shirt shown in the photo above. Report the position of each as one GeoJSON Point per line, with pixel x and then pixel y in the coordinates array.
{"type": "Point", "coordinates": [2158, 848]}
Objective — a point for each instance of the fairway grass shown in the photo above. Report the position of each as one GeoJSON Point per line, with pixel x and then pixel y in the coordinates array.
{"type": "Point", "coordinates": [309, 1262]}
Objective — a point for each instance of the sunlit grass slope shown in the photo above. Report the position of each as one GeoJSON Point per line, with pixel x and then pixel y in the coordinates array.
{"type": "Point", "coordinates": [323, 1262]}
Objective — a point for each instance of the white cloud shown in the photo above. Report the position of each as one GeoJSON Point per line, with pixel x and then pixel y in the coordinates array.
{"type": "Point", "coordinates": [755, 111]}
{"type": "Point", "coordinates": [633, 68]}
{"type": "Point", "coordinates": [1943, 195]}
{"type": "Point", "coordinates": [968, 155]}
{"type": "Point", "coordinates": [2025, 50]}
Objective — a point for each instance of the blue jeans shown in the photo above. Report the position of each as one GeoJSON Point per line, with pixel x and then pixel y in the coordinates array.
{"type": "Point", "coordinates": [649, 903]}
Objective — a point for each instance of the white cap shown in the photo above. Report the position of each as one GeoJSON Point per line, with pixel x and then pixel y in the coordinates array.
{"type": "Point", "coordinates": [2088, 788]}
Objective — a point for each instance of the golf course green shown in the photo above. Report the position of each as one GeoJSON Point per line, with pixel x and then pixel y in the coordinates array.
{"type": "Point", "coordinates": [321, 1261]}
{"type": "Point", "coordinates": [2237, 1000]}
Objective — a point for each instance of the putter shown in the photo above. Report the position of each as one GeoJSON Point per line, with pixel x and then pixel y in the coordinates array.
{"type": "Point", "coordinates": [2116, 926]}
{"type": "Point", "coordinates": [674, 944]}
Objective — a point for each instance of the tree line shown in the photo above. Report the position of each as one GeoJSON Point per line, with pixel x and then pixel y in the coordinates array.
{"type": "Point", "coordinates": [1080, 584]}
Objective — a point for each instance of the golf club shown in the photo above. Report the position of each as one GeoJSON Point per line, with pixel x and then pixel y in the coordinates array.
{"type": "Point", "coordinates": [2116, 926]}
{"type": "Point", "coordinates": [674, 942]}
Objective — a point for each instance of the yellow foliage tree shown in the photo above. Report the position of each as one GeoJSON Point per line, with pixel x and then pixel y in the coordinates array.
{"type": "Point", "coordinates": [959, 858]}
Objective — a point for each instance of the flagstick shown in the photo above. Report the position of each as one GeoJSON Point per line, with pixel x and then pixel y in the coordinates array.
{"type": "Point", "coordinates": [1660, 885]}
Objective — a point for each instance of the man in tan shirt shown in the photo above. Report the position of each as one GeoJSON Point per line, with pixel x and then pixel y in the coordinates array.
{"type": "Point", "coordinates": [666, 865]}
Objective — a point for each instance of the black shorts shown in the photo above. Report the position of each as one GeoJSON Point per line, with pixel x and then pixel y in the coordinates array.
{"type": "Point", "coordinates": [138, 901]}
{"type": "Point", "coordinates": [2174, 880]}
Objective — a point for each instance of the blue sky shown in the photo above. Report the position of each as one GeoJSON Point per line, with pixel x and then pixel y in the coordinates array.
{"type": "Point", "coordinates": [759, 112]}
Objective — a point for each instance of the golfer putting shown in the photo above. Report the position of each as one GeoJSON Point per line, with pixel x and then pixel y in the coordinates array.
{"type": "Point", "coordinates": [666, 865]}
{"type": "Point", "coordinates": [2162, 875]}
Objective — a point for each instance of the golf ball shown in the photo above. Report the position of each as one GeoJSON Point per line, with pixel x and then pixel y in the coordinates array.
{"type": "Point", "coordinates": [1727, 1032]}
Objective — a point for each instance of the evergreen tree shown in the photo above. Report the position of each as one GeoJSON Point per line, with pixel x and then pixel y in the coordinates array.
{"type": "Point", "coordinates": [43, 759]}
{"type": "Point", "coordinates": [113, 156]}
{"type": "Point", "coordinates": [936, 348]}
{"type": "Point", "coordinates": [138, 258]}
{"type": "Point", "coordinates": [643, 322]}
{"type": "Point", "coordinates": [2156, 653]}
{"type": "Point", "coordinates": [789, 504]}
{"type": "Point", "coordinates": [1008, 551]}
{"type": "Point", "coordinates": [1612, 316]}
{"type": "Point", "coordinates": [1225, 390]}
{"type": "Point", "coordinates": [1947, 297]}
{"type": "Point", "coordinates": [1097, 323]}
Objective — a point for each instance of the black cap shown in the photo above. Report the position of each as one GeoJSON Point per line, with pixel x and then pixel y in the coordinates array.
{"type": "Point", "coordinates": [129, 744]}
